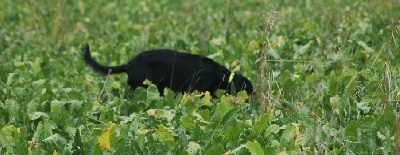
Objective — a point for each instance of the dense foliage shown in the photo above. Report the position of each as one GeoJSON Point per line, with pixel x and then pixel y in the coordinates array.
{"type": "Point", "coordinates": [327, 76]}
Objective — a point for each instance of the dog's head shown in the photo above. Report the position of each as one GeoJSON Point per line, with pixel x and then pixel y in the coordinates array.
{"type": "Point", "coordinates": [242, 83]}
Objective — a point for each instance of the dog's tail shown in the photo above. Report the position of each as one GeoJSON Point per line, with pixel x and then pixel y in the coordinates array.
{"type": "Point", "coordinates": [85, 52]}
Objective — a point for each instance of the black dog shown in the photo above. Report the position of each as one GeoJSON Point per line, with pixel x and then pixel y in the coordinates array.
{"type": "Point", "coordinates": [182, 72]}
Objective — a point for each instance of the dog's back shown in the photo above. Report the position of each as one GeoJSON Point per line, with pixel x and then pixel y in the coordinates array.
{"type": "Point", "coordinates": [178, 71]}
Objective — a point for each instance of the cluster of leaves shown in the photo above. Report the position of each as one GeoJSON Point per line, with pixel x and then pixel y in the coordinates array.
{"type": "Point", "coordinates": [333, 77]}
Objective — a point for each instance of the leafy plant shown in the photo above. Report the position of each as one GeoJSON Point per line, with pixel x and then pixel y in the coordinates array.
{"type": "Point", "coordinates": [327, 79]}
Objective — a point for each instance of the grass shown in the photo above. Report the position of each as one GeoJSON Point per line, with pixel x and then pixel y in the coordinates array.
{"type": "Point", "coordinates": [327, 76]}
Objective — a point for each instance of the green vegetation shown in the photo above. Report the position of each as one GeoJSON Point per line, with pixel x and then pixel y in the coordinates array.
{"type": "Point", "coordinates": [327, 75]}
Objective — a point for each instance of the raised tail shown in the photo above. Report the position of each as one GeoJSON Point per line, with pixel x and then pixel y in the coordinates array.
{"type": "Point", "coordinates": [85, 52]}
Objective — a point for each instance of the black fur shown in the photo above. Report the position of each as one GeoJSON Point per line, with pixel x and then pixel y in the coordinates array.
{"type": "Point", "coordinates": [182, 72]}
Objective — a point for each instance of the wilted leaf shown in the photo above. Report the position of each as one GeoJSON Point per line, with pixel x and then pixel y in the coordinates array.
{"type": "Point", "coordinates": [152, 112]}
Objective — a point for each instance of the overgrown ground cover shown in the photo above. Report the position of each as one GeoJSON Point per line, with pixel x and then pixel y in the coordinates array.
{"type": "Point", "coordinates": [327, 76]}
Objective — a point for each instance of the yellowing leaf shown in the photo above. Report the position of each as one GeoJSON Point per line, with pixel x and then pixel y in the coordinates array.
{"type": "Point", "coordinates": [55, 152]}
{"type": "Point", "coordinates": [186, 97]}
{"type": "Point", "coordinates": [165, 136]}
{"type": "Point", "coordinates": [206, 99]}
{"type": "Point", "coordinates": [104, 139]}
{"type": "Point", "coordinates": [137, 26]}
{"type": "Point", "coordinates": [116, 85]}
{"type": "Point", "coordinates": [88, 78]}
{"type": "Point", "coordinates": [146, 82]}
{"type": "Point", "coordinates": [19, 64]}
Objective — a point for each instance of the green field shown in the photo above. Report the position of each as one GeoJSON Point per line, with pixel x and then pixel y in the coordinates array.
{"type": "Point", "coordinates": [326, 73]}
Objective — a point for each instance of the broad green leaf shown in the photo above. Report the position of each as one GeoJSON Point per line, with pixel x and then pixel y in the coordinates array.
{"type": "Point", "coordinates": [224, 106]}
{"type": "Point", "coordinates": [302, 50]}
{"type": "Point", "coordinates": [287, 138]}
{"type": "Point", "coordinates": [215, 150]}
{"type": "Point", "coordinates": [57, 107]}
{"type": "Point", "coordinates": [351, 131]}
{"type": "Point", "coordinates": [44, 129]}
{"type": "Point", "coordinates": [229, 114]}
{"type": "Point", "coordinates": [351, 83]}
{"type": "Point", "coordinates": [140, 137]}
{"type": "Point", "coordinates": [152, 93]}
{"type": "Point", "coordinates": [205, 114]}
{"type": "Point", "coordinates": [190, 103]}
{"type": "Point", "coordinates": [389, 115]}
{"type": "Point", "coordinates": [262, 124]}
{"type": "Point", "coordinates": [232, 135]}
{"type": "Point", "coordinates": [241, 97]}
{"type": "Point", "coordinates": [12, 106]}
{"type": "Point", "coordinates": [369, 123]}
{"type": "Point", "coordinates": [76, 104]}
{"type": "Point", "coordinates": [188, 123]}
{"type": "Point", "coordinates": [6, 137]}
{"type": "Point", "coordinates": [254, 148]}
